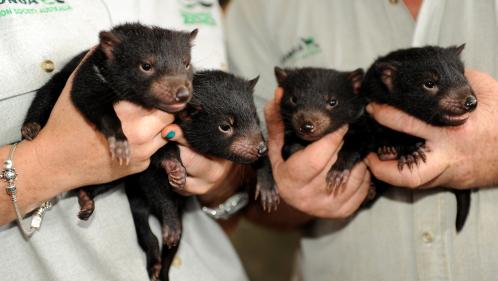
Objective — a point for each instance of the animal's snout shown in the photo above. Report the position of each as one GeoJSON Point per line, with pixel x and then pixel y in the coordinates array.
{"type": "Point", "coordinates": [307, 127]}
{"type": "Point", "coordinates": [470, 103]}
{"type": "Point", "coordinates": [182, 94]}
{"type": "Point", "coordinates": [262, 148]}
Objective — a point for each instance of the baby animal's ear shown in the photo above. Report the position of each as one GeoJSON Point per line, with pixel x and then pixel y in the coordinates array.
{"type": "Point", "coordinates": [107, 42]}
{"type": "Point", "coordinates": [193, 34]}
{"type": "Point", "coordinates": [356, 78]}
{"type": "Point", "coordinates": [253, 82]}
{"type": "Point", "coordinates": [387, 73]}
{"type": "Point", "coordinates": [280, 74]}
{"type": "Point", "coordinates": [458, 50]}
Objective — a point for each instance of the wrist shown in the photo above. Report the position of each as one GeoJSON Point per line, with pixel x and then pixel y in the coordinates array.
{"type": "Point", "coordinates": [225, 189]}
{"type": "Point", "coordinates": [37, 181]}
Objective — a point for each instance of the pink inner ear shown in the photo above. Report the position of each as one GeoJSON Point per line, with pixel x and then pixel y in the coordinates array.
{"type": "Point", "coordinates": [387, 78]}
{"type": "Point", "coordinates": [106, 47]}
{"type": "Point", "coordinates": [107, 42]}
{"type": "Point", "coordinates": [356, 86]}
{"type": "Point", "coordinates": [356, 78]}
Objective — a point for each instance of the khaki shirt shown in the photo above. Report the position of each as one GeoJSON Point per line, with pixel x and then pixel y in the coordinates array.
{"type": "Point", "coordinates": [406, 235]}
{"type": "Point", "coordinates": [35, 34]}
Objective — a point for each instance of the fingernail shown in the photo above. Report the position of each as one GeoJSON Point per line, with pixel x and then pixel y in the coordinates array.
{"type": "Point", "coordinates": [170, 135]}
{"type": "Point", "coordinates": [369, 108]}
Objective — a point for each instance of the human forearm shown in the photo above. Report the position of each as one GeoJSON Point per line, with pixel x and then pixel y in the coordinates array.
{"type": "Point", "coordinates": [36, 181]}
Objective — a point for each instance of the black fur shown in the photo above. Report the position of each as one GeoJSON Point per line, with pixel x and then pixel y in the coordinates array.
{"type": "Point", "coordinates": [316, 102]}
{"type": "Point", "coordinates": [220, 121]}
{"type": "Point", "coordinates": [428, 83]}
{"type": "Point", "coordinates": [119, 70]}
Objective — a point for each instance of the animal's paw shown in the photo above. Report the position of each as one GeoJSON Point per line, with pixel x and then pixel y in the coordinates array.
{"type": "Point", "coordinates": [337, 178]}
{"type": "Point", "coordinates": [155, 270]}
{"type": "Point", "coordinates": [269, 197]}
{"type": "Point", "coordinates": [387, 153]}
{"type": "Point", "coordinates": [372, 192]}
{"type": "Point", "coordinates": [177, 175]}
{"type": "Point", "coordinates": [120, 149]}
{"type": "Point", "coordinates": [87, 205]}
{"type": "Point", "coordinates": [30, 130]}
{"type": "Point", "coordinates": [171, 235]}
{"type": "Point", "coordinates": [413, 159]}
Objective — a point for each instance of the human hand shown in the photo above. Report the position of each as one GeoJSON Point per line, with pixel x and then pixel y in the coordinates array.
{"type": "Point", "coordinates": [69, 152]}
{"type": "Point", "coordinates": [77, 154]}
{"type": "Point", "coordinates": [301, 179]}
{"type": "Point", "coordinates": [212, 179]}
{"type": "Point", "coordinates": [460, 157]}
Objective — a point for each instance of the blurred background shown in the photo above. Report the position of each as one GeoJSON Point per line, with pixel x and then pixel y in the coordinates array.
{"type": "Point", "coordinates": [267, 255]}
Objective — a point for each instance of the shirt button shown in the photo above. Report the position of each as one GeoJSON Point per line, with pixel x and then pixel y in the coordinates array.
{"type": "Point", "coordinates": [427, 237]}
{"type": "Point", "coordinates": [393, 2]}
{"type": "Point", "coordinates": [48, 66]}
{"type": "Point", "coordinates": [177, 261]}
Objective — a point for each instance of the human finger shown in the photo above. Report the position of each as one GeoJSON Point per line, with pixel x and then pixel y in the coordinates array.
{"type": "Point", "coordinates": [357, 198]}
{"type": "Point", "coordinates": [419, 176]}
{"type": "Point", "coordinates": [174, 133]}
{"type": "Point", "coordinates": [400, 121]}
{"type": "Point", "coordinates": [275, 128]}
{"type": "Point", "coordinates": [318, 154]}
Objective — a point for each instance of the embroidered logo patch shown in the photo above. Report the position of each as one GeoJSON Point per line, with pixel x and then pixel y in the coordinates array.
{"type": "Point", "coordinates": [29, 7]}
{"type": "Point", "coordinates": [305, 48]}
{"type": "Point", "coordinates": [197, 12]}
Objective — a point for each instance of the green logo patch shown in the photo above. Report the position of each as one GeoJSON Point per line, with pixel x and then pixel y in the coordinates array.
{"type": "Point", "coordinates": [204, 18]}
{"type": "Point", "coordinates": [30, 7]}
{"type": "Point", "coordinates": [306, 47]}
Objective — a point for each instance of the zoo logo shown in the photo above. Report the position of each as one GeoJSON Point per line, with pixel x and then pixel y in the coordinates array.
{"type": "Point", "coordinates": [197, 12]}
{"type": "Point", "coordinates": [29, 2]}
{"type": "Point", "coordinates": [305, 48]}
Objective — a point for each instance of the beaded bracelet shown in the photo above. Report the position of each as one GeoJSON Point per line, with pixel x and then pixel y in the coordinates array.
{"type": "Point", "coordinates": [9, 175]}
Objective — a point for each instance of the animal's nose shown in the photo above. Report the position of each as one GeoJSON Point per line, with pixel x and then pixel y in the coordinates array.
{"type": "Point", "coordinates": [471, 103]}
{"type": "Point", "coordinates": [262, 149]}
{"type": "Point", "coordinates": [182, 94]}
{"type": "Point", "coordinates": [307, 127]}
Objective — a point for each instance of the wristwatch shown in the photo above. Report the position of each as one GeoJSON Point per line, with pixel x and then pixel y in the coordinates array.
{"type": "Point", "coordinates": [228, 208]}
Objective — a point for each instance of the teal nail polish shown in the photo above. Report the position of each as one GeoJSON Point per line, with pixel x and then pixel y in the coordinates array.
{"type": "Point", "coordinates": [170, 135]}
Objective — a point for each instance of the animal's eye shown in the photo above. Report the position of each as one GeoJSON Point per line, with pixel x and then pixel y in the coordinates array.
{"type": "Point", "coordinates": [293, 100]}
{"type": "Point", "coordinates": [225, 128]}
{"type": "Point", "coordinates": [333, 102]}
{"type": "Point", "coordinates": [429, 84]}
{"type": "Point", "coordinates": [146, 67]}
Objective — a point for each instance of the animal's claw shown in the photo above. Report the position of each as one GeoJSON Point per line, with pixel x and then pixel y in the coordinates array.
{"type": "Point", "coordinates": [120, 149]}
{"type": "Point", "coordinates": [269, 198]}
